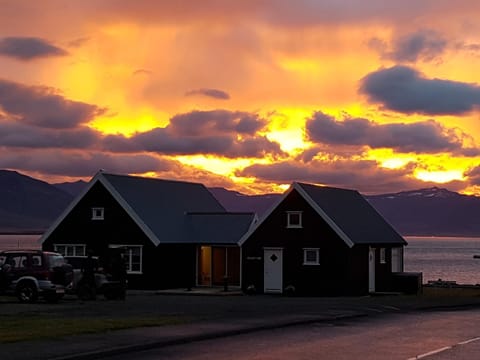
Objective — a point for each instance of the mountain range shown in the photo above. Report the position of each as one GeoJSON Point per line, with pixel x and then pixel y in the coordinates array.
{"type": "Point", "coordinates": [29, 205]}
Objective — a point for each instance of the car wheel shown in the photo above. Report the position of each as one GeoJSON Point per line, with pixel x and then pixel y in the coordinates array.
{"type": "Point", "coordinates": [27, 292]}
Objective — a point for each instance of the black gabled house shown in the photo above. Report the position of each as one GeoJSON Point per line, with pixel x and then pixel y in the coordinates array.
{"type": "Point", "coordinates": [323, 241]}
{"type": "Point", "coordinates": [172, 233]}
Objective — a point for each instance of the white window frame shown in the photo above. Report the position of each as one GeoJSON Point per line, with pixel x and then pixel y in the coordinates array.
{"type": "Point", "coordinates": [383, 256]}
{"type": "Point", "coordinates": [310, 262]}
{"type": "Point", "coordinates": [98, 213]}
{"type": "Point", "coordinates": [74, 246]}
{"type": "Point", "coordinates": [128, 257]}
{"type": "Point", "coordinates": [290, 216]}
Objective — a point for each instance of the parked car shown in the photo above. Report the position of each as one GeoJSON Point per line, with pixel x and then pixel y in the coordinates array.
{"type": "Point", "coordinates": [30, 274]}
{"type": "Point", "coordinates": [104, 282]}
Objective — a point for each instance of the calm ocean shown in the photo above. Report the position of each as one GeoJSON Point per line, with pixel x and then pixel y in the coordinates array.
{"type": "Point", "coordinates": [445, 258]}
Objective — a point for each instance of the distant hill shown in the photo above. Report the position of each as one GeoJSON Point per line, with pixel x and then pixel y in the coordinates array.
{"type": "Point", "coordinates": [235, 201]}
{"type": "Point", "coordinates": [432, 211]}
{"type": "Point", "coordinates": [31, 205]}
{"type": "Point", "coordinates": [428, 212]}
{"type": "Point", "coordinates": [73, 188]}
{"type": "Point", "coordinates": [28, 204]}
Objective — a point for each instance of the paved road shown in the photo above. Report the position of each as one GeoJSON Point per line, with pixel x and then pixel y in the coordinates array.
{"type": "Point", "coordinates": [429, 335]}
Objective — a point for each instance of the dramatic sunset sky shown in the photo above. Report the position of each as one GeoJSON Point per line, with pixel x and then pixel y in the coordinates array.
{"type": "Point", "coordinates": [379, 96]}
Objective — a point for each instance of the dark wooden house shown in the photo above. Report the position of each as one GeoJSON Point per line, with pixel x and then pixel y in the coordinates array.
{"type": "Point", "coordinates": [321, 241]}
{"type": "Point", "coordinates": [171, 233]}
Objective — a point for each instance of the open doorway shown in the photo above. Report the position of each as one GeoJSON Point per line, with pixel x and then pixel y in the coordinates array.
{"type": "Point", "coordinates": [217, 262]}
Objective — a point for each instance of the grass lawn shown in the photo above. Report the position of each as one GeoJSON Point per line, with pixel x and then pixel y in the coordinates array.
{"type": "Point", "coordinates": [22, 327]}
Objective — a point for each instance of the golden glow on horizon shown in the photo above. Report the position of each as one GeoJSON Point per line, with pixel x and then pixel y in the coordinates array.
{"type": "Point", "coordinates": [140, 63]}
{"type": "Point", "coordinates": [217, 165]}
{"type": "Point", "coordinates": [440, 177]}
{"type": "Point", "coordinates": [129, 122]}
{"type": "Point", "coordinates": [394, 163]}
{"type": "Point", "coordinates": [286, 126]}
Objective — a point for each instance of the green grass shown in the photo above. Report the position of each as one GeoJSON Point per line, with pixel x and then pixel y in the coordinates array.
{"type": "Point", "coordinates": [42, 326]}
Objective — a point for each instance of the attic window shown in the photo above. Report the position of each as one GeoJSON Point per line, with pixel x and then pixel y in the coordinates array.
{"type": "Point", "coordinates": [311, 256]}
{"type": "Point", "coordinates": [97, 213]}
{"type": "Point", "coordinates": [294, 219]}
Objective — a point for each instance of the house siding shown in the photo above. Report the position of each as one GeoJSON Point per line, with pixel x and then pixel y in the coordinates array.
{"type": "Point", "coordinates": [342, 270]}
{"type": "Point", "coordinates": [162, 267]}
{"type": "Point", "coordinates": [331, 277]}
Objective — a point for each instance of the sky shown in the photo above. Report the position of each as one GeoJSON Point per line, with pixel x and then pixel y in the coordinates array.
{"type": "Point", "coordinates": [373, 95]}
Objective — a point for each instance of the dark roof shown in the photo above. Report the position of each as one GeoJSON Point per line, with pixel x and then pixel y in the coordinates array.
{"type": "Point", "coordinates": [157, 206]}
{"type": "Point", "coordinates": [218, 228]}
{"type": "Point", "coordinates": [352, 214]}
{"type": "Point", "coordinates": [347, 212]}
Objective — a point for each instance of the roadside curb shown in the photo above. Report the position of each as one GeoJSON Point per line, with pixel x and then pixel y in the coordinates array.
{"type": "Point", "coordinates": [112, 351]}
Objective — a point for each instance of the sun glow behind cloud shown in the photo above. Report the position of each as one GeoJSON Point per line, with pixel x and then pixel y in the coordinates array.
{"type": "Point", "coordinates": [137, 61]}
{"type": "Point", "coordinates": [440, 177]}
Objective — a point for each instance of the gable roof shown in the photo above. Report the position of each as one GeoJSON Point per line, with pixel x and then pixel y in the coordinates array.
{"type": "Point", "coordinates": [347, 212]}
{"type": "Point", "coordinates": [157, 206]}
{"type": "Point", "coordinates": [219, 228]}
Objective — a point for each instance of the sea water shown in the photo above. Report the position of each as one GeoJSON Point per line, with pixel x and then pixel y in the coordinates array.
{"type": "Point", "coordinates": [19, 241]}
{"type": "Point", "coordinates": [446, 258]}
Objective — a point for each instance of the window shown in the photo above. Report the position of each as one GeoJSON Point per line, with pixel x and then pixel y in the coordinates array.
{"type": "Point", "coordinates": [97, 213]}
{"type": "Point", "coordinates": [18, 261]}
{"type": "Point", "coordinates": [70, 249]}
{"type": "Point", "coordinates": [36, 260]}
{"type": "Point", "coordinates": [397, 259]}
{"type": "Point", "coordinates": [311, 256]}
{"type": "Point", "coordinates": [382, 256]}
{"type": "Point", "coordinates": [294, 219]}
{"type": "Point", "coordinates": [132, 255]}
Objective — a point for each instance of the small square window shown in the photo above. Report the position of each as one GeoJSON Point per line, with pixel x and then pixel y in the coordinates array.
{"type": "Point", "coordinates": [97, 213]}
{"type": "Point", "coordinates": [311, 256]}
{"type": "Point", "coordinates": [294, 219]}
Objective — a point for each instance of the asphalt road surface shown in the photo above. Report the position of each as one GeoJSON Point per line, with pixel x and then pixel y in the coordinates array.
{"type": "Point", "coordinates": [418, 335]}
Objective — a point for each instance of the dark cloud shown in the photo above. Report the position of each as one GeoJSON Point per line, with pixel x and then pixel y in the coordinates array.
{"type": "Point", "coordinates": [17, 135]}
{"type": "Point", "coordinates": [82, 164]}
{"type": "Point", "coordinates": [425, 136]}
{"type": "Point", "coordinates": [29, 48]}
{"type": "Point", "coordinates": [218, 132]}
{"type": "Point", "coordinates": [197, 123]}
{"type": "Point", "coordinates": [403, 89]}
{"type": "Point", "coordinates": [43, 107]}
{"type": "Point", "coordinates": [214, 93]}
{"type": "Point", "coordinates": [473, 175]}
{"type": "Point", "coordinates": [425, 45]}
{"type": "Point", "coordinates": [365, 176]}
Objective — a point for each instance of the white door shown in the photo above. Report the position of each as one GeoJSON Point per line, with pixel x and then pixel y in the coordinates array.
{"type": "Point", "coordinates": [272, 270]}
{"type": "Point", "coordinates": [371, 270]}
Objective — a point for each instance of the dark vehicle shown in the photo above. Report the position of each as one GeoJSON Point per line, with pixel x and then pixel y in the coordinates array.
{"type": "Point", "coordinates": [30, 274]}
{"type": "Point", "coordinates": [105, 283]}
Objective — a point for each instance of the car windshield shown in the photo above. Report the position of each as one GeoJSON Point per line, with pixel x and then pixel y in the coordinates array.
{"type": "Point", "coordinates": [56, 260]}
